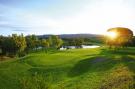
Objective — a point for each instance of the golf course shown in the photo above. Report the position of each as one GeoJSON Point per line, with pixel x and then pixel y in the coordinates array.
{"type": "Point", "coordinates": [67, 44]}
{"type": "Point", "coordinates": [96, 68]}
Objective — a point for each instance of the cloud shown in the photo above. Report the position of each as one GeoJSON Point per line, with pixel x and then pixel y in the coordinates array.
{"type": "Point", "coordinates": [20, 30]}
{"type": "Point", "coordinates": [95, 17]}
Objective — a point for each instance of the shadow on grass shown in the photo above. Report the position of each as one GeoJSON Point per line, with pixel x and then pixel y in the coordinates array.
{"type": "Point", "coordinates": [94, 64]}
{"type": "Point", "coordinates": [119, 51]}
{"type": "Point", "coordinates": [103, 62]}
{"type": "Point", "coordinates": [129, 62]}
{"type": "Point", "coordinates": [120, 55]}
{"type": "Point", "coordinates": [121, 77]}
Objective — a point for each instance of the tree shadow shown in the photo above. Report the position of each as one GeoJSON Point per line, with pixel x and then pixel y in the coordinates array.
{"type": "Point", "coordinates": [94, 64]}
{"type": "Point", "coordinates": [123, 55]}
{"type": "Point", "coordinates": [117, 52]}
{"type": "Point", "coordinates": [122, 77]}
{"type": "Point", "coordinates": [129, 62]}
{"type": "Point", "coordinates": [103, 61]}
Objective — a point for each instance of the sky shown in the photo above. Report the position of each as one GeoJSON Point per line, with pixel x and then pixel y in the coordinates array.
{"type": "Point", "coordinates": [65, 16]}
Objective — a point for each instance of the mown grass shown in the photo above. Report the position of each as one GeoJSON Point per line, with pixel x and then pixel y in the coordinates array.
{"type": "Point", "coordinates": [97, 68]}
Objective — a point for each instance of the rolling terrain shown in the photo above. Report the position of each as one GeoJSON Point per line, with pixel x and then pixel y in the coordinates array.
{"type": "Point", "coordinates": [97, 68]}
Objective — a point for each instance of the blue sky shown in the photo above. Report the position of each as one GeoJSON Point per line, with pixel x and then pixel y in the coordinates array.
{"type": "Point", "coordinates": [65, 16]}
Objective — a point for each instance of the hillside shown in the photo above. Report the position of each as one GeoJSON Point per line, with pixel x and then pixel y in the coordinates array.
{"type": "Point", "coordinates": [73, 69]}
{"type": "Point", "coordinates": [63, 36]}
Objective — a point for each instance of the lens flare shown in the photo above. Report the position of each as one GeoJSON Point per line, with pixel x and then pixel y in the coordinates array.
{"type": "Point", "coordinates": [112, 35]}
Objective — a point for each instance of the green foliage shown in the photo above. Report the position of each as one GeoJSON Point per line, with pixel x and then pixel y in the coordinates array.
{"type": "Point", "coordinates": [99, 40]}
{"type": "Point", "coordinates": [8, 46]}
{"type": "Point", "coordinates": [78, 42]}
{"type": "Point", "coordinates": [20, 45]}
{"type": "Point", "coordinates": [55, 41]}
{"type": "Point", "coordinates": [32, 42]}
{"type": "Point", "coordinates": [45, 44]}
{"type": "Point", "coordinates": [19, 42]}
{"type": "Point", "coordinates": [12, 45]}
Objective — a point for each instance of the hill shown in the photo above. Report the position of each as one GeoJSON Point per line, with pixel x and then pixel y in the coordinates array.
{"type": "Point", "coordinates": [96, 68]}
{"type": "Point", "coordinates": [88, 38]}
{"type": "Point", "coordinates": [72, 36]}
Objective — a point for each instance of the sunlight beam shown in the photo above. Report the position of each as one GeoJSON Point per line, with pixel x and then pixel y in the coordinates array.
{"type": "Point", "coordinates": [111, 35]}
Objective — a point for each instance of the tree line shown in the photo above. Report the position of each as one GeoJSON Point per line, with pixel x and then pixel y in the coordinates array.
{"type": "Point", "coordinates": [19, 45]}
{"type": "Point", "coordinates": [77, 42]}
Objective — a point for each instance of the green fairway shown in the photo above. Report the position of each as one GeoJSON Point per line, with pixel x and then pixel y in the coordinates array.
{"type": "Point", "coordinates": [96, 68]}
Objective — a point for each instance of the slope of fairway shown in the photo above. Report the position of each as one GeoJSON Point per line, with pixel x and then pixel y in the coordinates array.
{"type": "Point", "coordinates": [73, 69]}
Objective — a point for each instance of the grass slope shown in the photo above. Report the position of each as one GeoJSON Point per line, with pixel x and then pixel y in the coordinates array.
{"type": "Point", "coordinates": [73, 69]}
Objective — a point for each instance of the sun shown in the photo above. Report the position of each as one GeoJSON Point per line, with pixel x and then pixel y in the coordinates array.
{"type": "Point", "coordinates": [112, 35]}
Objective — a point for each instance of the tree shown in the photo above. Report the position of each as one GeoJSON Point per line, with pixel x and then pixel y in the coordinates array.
{"type": "Point", "coordinates": [32, 42]}
{"type": "Point", "coordinates": [1, 40]}
{"type": "Point", "coordinates": [45, 44]}
{"type": "Point", "coordinates": [77, 42]}
{"type": "Point", "coordinates": [19, 43]}
{"type": "Point", "coordinates": [50, 41]}
{"type": "Point", "coordinates": [13, 45]}
{"type": "Point", "coordinates": [133, 42]}
{"type": "Point", "coordinates": [119, 37]}
{"type": "Point", "coordinates": [59, 42]}
{"type": "Point", "coordinates": [55, 41]}
{"type": "Point", "coordinates": [8, 46]}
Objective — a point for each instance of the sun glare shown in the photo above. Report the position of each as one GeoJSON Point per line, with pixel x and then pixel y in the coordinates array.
{"type": "Point", "coordinates": [111, 34]}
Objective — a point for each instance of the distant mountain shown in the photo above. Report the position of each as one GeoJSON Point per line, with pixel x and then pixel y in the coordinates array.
{"type": "Point", "coordinates": [72, 36]}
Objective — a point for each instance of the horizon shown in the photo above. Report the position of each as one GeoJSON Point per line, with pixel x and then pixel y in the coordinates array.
{"type": "Point", "coordinates": [53, 34]}
{"type": "Point", "coordinates": [56, 17]}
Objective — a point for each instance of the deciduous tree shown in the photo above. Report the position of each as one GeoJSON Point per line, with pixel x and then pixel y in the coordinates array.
{"type": "Point", "coordinates": [119, 37]}
{"type": "Point", "coordinates": [45, 44]}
